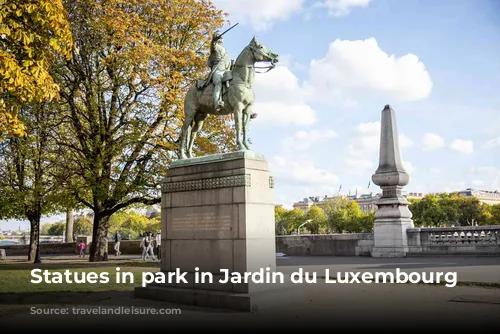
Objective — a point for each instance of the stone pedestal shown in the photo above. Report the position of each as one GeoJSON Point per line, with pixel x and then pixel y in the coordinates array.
{"type": "Point", "coordinates": [217, 212]}
{"type": "Point", "coordinates": [392, 217]}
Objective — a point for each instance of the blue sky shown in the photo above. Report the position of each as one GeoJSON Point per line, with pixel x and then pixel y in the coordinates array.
{"type": "Point", "coordinates": [435, 62]}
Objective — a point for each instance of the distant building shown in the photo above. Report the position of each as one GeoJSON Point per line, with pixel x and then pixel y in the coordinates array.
{"type": "Point", "coordinates": [414, 195]}
{"type": "Point", "coordinates": [366, 202]}
{"type": "Point", "coordinates": [484, 196]}
{"type": "Point", "coordinates": [307, 202]}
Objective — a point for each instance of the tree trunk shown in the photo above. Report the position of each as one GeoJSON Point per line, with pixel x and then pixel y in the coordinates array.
{"type": "Point", "coordinates": [99, 245]}
{"type": "Point", "coordinates": [69, 225]}
{"type": "Point", "coordinates": [34, 232]}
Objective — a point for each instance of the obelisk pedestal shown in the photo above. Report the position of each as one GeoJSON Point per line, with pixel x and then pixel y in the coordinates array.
{"type": "Point", "coordinates": [217, 213]}
{"type": "Point", "coordinates": [392, 217]}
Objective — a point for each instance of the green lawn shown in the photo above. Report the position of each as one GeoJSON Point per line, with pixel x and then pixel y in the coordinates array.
{"type": "Point", "coordinates": [17, 278]}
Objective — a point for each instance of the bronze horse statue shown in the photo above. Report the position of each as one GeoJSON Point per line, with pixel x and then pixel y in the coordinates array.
{"type": "Point", "coordinates": [237, 95]}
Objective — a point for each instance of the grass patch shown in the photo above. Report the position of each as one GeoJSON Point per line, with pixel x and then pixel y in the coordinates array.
{"type": "Point", "coordinates": [57, 264]}
{"type": "Point", "coordinates": [19, 280]}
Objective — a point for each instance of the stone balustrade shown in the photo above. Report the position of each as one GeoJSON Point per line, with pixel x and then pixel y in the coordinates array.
{"type": "Point", "coordinates": [461, 240]}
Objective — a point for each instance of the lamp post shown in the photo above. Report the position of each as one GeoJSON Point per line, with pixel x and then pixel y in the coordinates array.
{"type": "Point", "coordinates": [298, 228]}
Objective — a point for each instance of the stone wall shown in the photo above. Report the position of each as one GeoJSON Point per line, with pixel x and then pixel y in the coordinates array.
{"type": "Point", "coordinates": [352, 244]}
{"type": "Point", "coordinates": [45, 248]}
{"type": "Point", "coordinates": [127, 247]}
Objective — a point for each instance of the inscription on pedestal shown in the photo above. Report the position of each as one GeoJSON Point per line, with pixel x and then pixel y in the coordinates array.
{"type": "Point", "coordinates": [206, 221]}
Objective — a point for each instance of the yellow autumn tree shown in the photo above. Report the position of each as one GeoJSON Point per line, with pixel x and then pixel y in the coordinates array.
{"type": "Point", "coordinates": [122, 97]}
{"type": "Point", "coordinates": [31, 31]}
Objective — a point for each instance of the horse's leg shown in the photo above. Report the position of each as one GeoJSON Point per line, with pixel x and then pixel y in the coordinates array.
{"type": "Point", "coordinates": [238, 122]}
{"type": "Point", "coordinates": [186, 130]}
{"type": "Point", "coordinates": [188, 139]}
{"type": "Point", "coordinates": [194, 131]}
{"type": "Point", "coordinates": [246, 119]}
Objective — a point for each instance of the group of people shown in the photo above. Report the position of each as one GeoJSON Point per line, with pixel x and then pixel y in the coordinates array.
{"type": "Point", "coordinates": [149, 245]}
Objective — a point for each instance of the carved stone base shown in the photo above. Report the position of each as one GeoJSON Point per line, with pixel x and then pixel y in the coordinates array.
{"type": "Point", "coordinates": [390, 238]}
{"type": "Point", "coordinates": [217, 213]}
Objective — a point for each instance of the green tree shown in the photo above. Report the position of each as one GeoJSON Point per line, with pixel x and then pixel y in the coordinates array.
{"type": "Point", "coordinates": [122, 99]}
{"type": "Point", "coordinates": [428, 211]}
{"type": "Point", "coordinates": [494, 215]}
{"type": "Point", "coordinates": [153, 225]}
{"type": "Point", "coordinates": [32, 31]}
{"type": "Point", "coordinates": [335, 210]}
{"type": "Point", "coordinates": [294, 219]}
{"type": "Point", "coordinates": [353, 218]}
{"type": "Point", "coordinates": [368, 222]}
{"type": "Point", "coordinates": [45, 229]}
{"type": "Point", "coordinates": [28, 187]}
{"type": "Point", "coordinates": [56, 228]}
{"type": "Point", "coordinates": [280, 221]}
{"type": "Point", "coordinates": [82, 225]}
{"type": "Point", "coordinates": [318, 219]}
{"type": "Point", "coordinates": [133, 224]}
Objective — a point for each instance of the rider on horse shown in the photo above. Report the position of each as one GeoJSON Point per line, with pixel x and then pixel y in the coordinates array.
{"type": "Point", "coordinates": [219, 62]}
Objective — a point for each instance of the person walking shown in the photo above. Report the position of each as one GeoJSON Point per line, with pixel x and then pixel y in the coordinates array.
{"type": "Point", "coordinates": [117, 243]}
{"type": "Point", "coordinates": [158, 245]}
{"type": "Point", "coordinates": [147, 250]}
{"type": "Point", "coordinates": [82, 247]}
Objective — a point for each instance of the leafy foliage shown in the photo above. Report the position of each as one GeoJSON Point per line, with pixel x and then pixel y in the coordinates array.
{"type": "Point", "coordinates": [122, 98]}
{"type": "Point", "coordinates": [337, 215]}
{"type": "Point", "coordinates": [451, 209]}
{"type": "Point", "coordinates": [132, 224]}
{"type": "Point", "coordinates": [318, 219]}
{"type": "Point", "coordinates": [32, 32]}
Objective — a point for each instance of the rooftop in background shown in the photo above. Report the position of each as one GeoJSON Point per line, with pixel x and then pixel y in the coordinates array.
{"type": "Point", "coordinates": [485, 196]}
{"type": "Point", "coordinates": [366, 202]}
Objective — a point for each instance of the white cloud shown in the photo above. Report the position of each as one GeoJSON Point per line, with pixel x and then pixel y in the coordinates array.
{"type": "Point", "coordinates": [405, 141]}
{"type": "Point", "coordinates": [477, 182]}
{"type": "Point", "coordinates": [341, 7]}
{"type": "Point", "coordinates": [410, 169]}
{"type": "Point", "coordinates": [495, 142]}
{"type": "Point", "coordinates": [489, 174]}
{"type": "Point", "coordinates": [358, 67]}
{"type": "Point", "coordinates": [462, 146]}
{"type": "Point", "coordinates": [260, 14]}
{"type": "Point", "coordinates": [280, 99]}
{"type": "Point", "coordinates": [435, 171]}
{"type": "Point", "coordinates": [274, 113]}
{"type": "Point", "coordinates": [304, 139]}
{"type": "Point", "coordinates": [301, 171]}
{"type": "Point", "coordinates": [366, 139]}
{"type": "Point", "coordinates": [432, 141]}
{"type": "Point", "coordinates": [359, 166]}
{"type": "Point", "coordinates": [455, 186]}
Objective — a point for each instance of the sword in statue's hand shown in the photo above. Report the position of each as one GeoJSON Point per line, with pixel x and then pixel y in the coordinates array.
{"type": "Point", "coordinates": [220, 36]}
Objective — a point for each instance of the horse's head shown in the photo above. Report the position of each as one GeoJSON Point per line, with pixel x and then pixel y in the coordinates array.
{"type": "Point", "coordinates": [262, 53]}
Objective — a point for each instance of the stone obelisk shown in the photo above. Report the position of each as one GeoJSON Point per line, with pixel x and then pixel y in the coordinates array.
{"type": "Point", "coordinates": [392, 217]}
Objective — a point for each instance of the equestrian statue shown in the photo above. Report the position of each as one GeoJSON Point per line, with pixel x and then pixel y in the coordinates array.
{"type": "Point", "coordinates": [227, 90]}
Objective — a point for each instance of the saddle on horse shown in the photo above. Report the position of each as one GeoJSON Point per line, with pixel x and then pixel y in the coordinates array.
{"type": "Point", "coordinates": [226, 78]}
